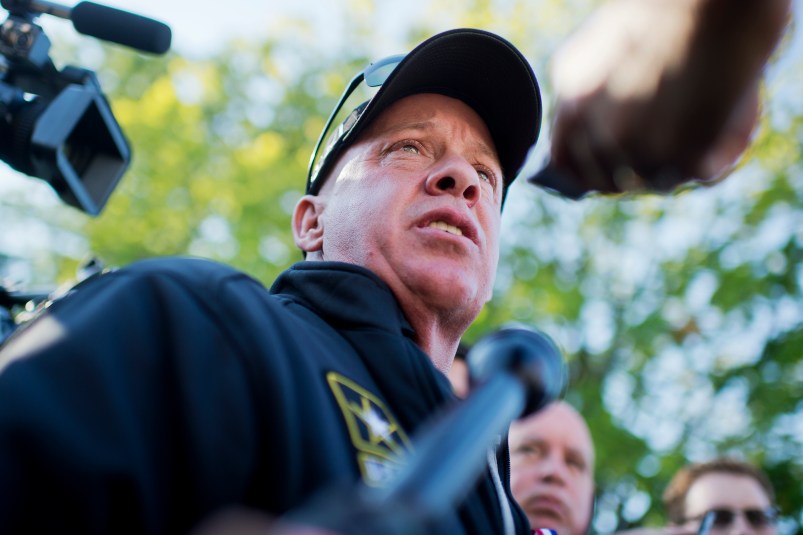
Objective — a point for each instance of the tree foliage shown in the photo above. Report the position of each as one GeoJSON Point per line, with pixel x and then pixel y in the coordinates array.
{"type": "Point", "coordinates": [680, 315]}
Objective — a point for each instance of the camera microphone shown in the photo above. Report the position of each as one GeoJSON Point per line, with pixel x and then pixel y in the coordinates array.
{"type": "Point", "coordinates": [121, 27]}
{"type": "Point", "coordinates": [103, 22]}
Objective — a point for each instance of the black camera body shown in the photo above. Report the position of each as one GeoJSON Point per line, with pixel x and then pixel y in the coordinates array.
{"type": "Point", "coordinates": [58, 125]}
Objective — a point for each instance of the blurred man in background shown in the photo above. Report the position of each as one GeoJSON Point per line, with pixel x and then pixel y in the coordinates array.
{"type": "Point", "coordinates": [552, 469]}
{"type": "Point", "coordinates": [458, 374]}
{"type": "Point", "coordinates": [737, 497]}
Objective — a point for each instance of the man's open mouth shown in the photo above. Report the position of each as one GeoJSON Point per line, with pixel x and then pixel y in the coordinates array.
{"type": "Point", "coordinates": [451, 229]}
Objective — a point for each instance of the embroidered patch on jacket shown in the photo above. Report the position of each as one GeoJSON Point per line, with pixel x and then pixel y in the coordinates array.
{"type": "Point", "coordinates": [380, 441]}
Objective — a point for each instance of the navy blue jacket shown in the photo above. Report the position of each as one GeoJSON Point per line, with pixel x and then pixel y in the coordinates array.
{"type": "Point", "coordinates": [156, 394]}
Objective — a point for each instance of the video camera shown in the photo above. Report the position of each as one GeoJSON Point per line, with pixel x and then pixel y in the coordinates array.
{"type": "Point", "coordinates": [58, 125]}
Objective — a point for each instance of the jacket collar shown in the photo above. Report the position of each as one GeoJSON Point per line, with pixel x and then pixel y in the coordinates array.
{"type": "Point", "coordinates": [344, 295]}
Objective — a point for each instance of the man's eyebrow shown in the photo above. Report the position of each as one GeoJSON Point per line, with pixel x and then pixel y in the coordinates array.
{"type": "Point", "coordinates": [527, 440]}
{"type": "Point", "coordinates": [418, 125]}
{"type": "Point", "coordinates": [481, 148]}
{"type": "Point", "coordinates": [488, 152]}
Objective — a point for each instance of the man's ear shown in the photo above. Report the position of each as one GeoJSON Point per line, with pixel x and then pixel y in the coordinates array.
{"type": "Point", "coordinates": [308, 223]}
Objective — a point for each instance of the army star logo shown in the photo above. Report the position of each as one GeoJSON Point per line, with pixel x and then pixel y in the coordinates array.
{"type": "Point", "coordinates": [376, 435]}
{"type": "Point", "coordinates": [378, 426]}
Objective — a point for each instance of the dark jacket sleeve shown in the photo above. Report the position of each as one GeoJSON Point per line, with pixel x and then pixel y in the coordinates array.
{"type": "Point", "coordinates": [112, 400]}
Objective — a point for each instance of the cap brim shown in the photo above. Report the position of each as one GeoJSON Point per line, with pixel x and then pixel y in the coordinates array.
{"type": "Point", "coordinates": [483, 70]}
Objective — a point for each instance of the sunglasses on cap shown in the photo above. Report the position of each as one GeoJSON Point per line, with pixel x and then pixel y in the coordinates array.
{"type": "Point", "coordinates": [722, 518]}
{"type": "Point", "coordinates": [374, 75]}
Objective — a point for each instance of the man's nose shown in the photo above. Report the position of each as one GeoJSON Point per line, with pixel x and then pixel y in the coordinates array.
{"type": "Point", "coordinates": [551, 468]}
{"type": "Point", "coordinates": [454, 175]}
{"type": "Point", "coordinates": [740, 526]}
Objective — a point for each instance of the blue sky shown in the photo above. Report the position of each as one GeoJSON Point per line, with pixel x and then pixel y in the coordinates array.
{"type": "Point", "coordinates": [199, 25]}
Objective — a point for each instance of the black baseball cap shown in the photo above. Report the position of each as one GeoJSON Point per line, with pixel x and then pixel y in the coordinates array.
{"type": "Point", "coordinates": [478, 67]}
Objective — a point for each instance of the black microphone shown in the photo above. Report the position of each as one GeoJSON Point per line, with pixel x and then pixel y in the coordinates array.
{"type": "Point", "coordinates": [529, 354]}
{"type": "Point", "coordinates": [121, 27]}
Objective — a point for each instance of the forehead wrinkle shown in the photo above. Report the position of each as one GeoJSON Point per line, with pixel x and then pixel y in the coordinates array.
{"type": "Point", "coordinates": [400, 127]}
{"type": "Point", "coordinates": [417, 125]}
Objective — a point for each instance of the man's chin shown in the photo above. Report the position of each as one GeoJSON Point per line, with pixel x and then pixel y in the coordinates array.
{"type": "Point", "coordinates": [447, 282]}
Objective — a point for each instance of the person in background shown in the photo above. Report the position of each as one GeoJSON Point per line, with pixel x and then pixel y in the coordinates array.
{"type": "Point", "coordinates": [458, 374]}
{"type": "Point", "coordinates": [552, 469]}
{"type": "Point", "coordinates": [734, 497]}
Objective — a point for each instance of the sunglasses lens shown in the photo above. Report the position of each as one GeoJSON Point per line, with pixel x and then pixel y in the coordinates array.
{"type": "Point", "coordinates": [376, 73]}
{"type": "Point", "coordinates": [374, 76]}
{"type": "Point", "coordinates": [759, 518]}
{"type": "Point", "coordinates": [722, 518]}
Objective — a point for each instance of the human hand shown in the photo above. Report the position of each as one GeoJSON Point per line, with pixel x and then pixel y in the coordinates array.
{"type": "Point", "coordinates": [655, 93]}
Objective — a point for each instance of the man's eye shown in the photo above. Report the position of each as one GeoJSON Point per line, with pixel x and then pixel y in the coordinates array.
{"type": "Point", "coordinates": [578, 464]}
{"type": "Point", "coordinates": [412, 149]}
{"type": "Point", "coordinates": [483, 176]}
{"type": "Point", "coordinates": [530, 450]}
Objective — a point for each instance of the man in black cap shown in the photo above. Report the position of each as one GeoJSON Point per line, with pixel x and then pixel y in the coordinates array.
{"type": "Point", "coordinates": [157, 394]}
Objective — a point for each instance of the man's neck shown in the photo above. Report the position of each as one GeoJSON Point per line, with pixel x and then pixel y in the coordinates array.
{"type": "Point", "coordinates": [438, 327]}
{"type": "Point", "coordinates": [437, 336]}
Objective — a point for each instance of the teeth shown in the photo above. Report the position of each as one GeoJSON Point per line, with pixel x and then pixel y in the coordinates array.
{"type": "Point", "coordinates": [451, 229]}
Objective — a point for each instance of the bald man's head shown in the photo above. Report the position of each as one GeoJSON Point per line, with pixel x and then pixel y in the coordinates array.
{"type": "Point", "coordinates": [552, 469]}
